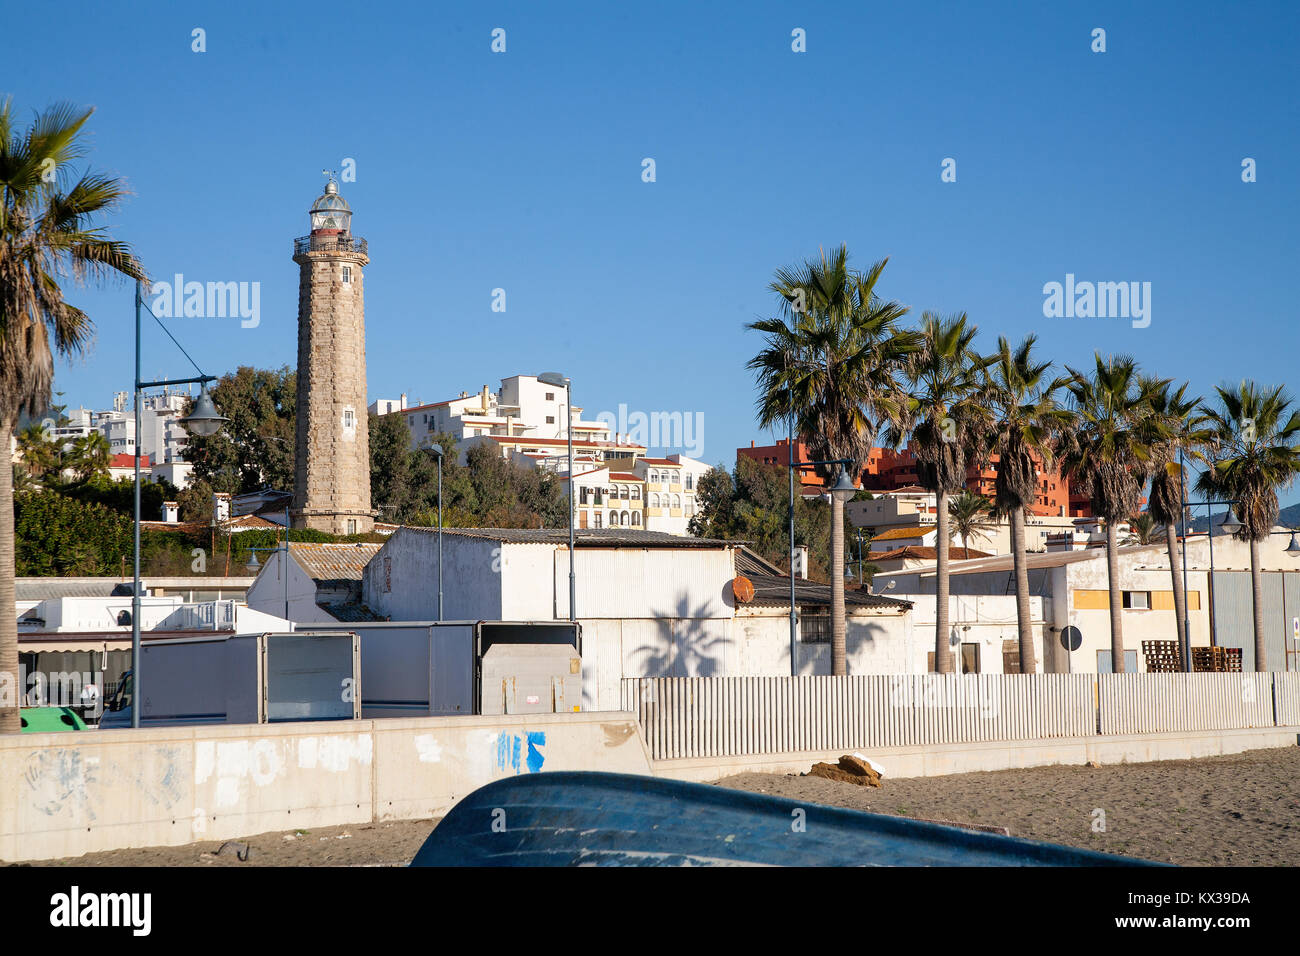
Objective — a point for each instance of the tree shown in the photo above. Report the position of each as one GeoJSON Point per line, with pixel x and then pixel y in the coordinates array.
{"type": "Point", "coordinates": [1025, 424]}
{"type": "Point", "coordinates": [47, 230]}
{"type": "Point", "coordinates": [255, 449]}
{"type": "Point", "coordinates": [827, 369]}
{"type": "Point", "coordinates": [753, 506]}
{"type": "Point", "coordinates": [712, 518]}
{"type": "Point", "coordinates": [1109, 458]}
{"type": "Point", "coordinates": [1176, 425]}
{"type": "Point", "coordinates": [945, 419]}
{"type": "Point", "coordinates": [89, 457]}
{"type": "Point", "coordinates": [1256, 451]}
{"type": "Point", "coordinates": [40, 453]}
{"type": "Point", "coordinates": [969, 515]}
{"type": "Point", "coordinates": [391, 491]}
{"type": "Point", "coordinates": [1143, 530]}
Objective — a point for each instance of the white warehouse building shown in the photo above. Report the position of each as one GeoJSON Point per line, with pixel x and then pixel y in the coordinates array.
{"type": "Point", "coordinates": [651, 604]}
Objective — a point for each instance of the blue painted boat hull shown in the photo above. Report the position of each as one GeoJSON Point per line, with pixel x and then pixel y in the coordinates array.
{"type": "Point", "coordinates": [568, 818]}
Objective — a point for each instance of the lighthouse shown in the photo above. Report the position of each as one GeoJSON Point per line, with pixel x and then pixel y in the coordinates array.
{"type": "Point", "coordinates": [331, 484]}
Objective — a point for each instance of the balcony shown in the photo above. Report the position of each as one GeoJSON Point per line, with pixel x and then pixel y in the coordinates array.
{"type": "Point", "coordinates": [329, 244]}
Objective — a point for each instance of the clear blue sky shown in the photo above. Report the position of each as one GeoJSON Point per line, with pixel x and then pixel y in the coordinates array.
{"type": "Point", "coordinates": [523, 171]}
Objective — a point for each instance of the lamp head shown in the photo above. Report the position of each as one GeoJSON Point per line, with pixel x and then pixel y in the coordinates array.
{"type": "Point", "coordinates": [844, 489]}
{"type": "Point", "coordinates": [204, 420]}
{"type": "Point", "coordinates": [253, 565]}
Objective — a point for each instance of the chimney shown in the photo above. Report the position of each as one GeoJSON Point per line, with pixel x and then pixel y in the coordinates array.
{"type": "Point", "coordinates": [403, 400]}
{"type": "Point", "coordinates": [801, 561]}
{"type": "Point", "coordinates": [751, 443]}
{"type": "Point", "coordinates": [221, 505]}
{"type": "Point", "coordinates": [484, 399]}
{"type": "Point", "coordinates": [171, 512]}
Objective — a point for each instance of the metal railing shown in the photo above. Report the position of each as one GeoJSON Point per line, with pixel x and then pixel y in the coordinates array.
{"type": "Point", "coordinates": [329, 244]}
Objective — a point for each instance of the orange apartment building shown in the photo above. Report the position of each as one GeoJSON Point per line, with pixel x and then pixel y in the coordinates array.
{"type": "Point", "coordinates": [889, 470]}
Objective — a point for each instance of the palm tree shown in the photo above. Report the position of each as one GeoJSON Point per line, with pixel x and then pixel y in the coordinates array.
{"type": "Point", "coordinates": [828, 365]}
{"type": "Point", "coordinates": [945, 419]}
{"type": "Point", "coordinates": [46, 232]}
{"type": "Point", "coordinates": [1177, 425]}
{"type": "Point", "coordinates": [1027, 422]}
{"type": "Point", "coordinates": [1256, 451]}
{"type": "Point", "coordinates": [1109, 459]}
{"type": "Point", "coordinates": [969, 515]}
{"type": "Point", "coordinates": [90, 456]}
{"type": "Point", "coordinates": [1143, 530]}
{"type": "Point", "coordinates": [40, 453]}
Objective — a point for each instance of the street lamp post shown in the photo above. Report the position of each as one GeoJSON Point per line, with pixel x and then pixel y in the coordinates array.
{"type": "Point", "coordinates": [438, 453]}
{"type": "Point", "coordinates": [558, 380]}
{"type": "Point", "coordinates": [844, 489]}
{"type": "Point", "coordinates": [203, 421]}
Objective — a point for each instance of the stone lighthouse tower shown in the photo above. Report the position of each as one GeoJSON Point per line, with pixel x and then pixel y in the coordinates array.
{"type": "Point", "coordinates": [331, 485]}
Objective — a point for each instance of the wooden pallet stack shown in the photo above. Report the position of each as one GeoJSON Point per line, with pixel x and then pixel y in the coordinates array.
{"type": "Point", "coordinates": [1217, 659]}
{"type": "Point", "coordinates": [1162, 657]}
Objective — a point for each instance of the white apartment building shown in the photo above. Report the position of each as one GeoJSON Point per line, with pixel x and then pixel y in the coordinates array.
{"type": "Point", "coordinates": [525, 418]}
{"type": "Point", "coordinates": [162, 437]}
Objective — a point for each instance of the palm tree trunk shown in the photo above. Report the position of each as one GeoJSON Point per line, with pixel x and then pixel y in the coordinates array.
{"type": "Point", "coordinates": [1257, 594]}
{"type": "Point", "coordinates": [10, 691]}
{"type": "Point", "coordinates": [1116, 603]}
{"type": "Point", "coordinates": [1024, 628]}
{"type": "Point", "coordinates": [839, 664]}
{"type": "Point", "coordinates": [1180, 595]}
{"type": "Point", "coordinates": [942, 652]}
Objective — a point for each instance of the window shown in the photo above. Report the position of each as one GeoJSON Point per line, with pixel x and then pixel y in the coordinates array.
{"type": "Point", "coordinates": [347, 274]}
{"type": "Point", "coordinates": [970, 658]}
{"type": "Point", "coordinates": [654, 501]}
{"type": "Point", "coordinates": [550, 419]}
{"type": "Point", "coordinates": [352, 526]}
{"type": "Point", "coordinates": [624, 493]}
{"type": "Point", "coordinates": [815, 627]}
{"type": "Point", "coordinates": [582, 496]}
{"type": "Point", "coordinates": [1137, 600]}
{"type": "Point", "coordinates": [677, 501]}
{"type": "Point", "coordinates": [636, 492]}
{"type": "Point", "coordinates": [636, 519]}
{"type": "Point", "coordinates": [550, 396]}
{"type": "Point", "coordinates": [613, 519]}
{"type": "Point", "coordinates": [690, 482]}
{"type": "Point", "coordinates": [625, 519]}
{"type": "Point", "coordinates": [597, 516]}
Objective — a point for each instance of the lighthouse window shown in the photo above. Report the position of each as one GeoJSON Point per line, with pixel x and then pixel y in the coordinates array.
{"type": "Point", "coordinates": [347, 274]}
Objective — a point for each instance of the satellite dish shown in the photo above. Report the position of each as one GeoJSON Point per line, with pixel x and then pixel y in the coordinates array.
{"type": "Point", "coordinates": [742, 589]}
{"type": "Point", "coordinates": [1071, 637]}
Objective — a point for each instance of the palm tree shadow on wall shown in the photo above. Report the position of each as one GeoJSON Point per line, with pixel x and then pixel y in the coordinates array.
{"type": "Point", "coordinates": [861, 635]}
{"type": "Point", "coordinates": [699, 648]}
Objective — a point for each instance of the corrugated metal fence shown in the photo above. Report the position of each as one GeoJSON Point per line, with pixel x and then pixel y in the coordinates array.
{"type": "Point", "coordinates": [1169, 703]}
{"type": "Point", "coordinates": [1286, 699]}
{"type": "Point", "coordinates": [685, 717]}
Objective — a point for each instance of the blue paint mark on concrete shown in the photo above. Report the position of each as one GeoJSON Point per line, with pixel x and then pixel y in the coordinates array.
{"type": "Point", "coordinates": [536, 739]}
{"type": "Point", "coordinates": [510, 751]}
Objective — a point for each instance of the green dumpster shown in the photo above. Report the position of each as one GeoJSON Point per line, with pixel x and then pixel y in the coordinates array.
{"type": "Point", "coordinates": [47, 720]}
